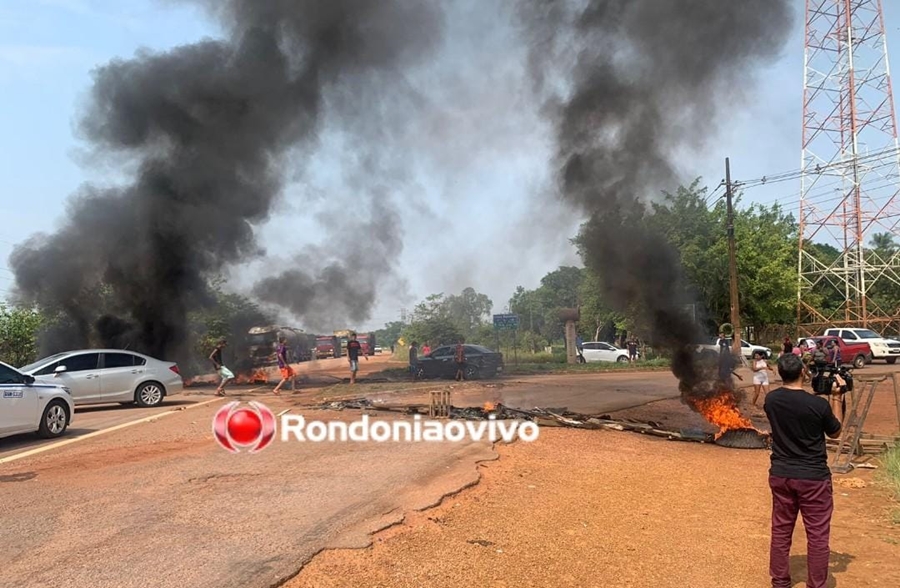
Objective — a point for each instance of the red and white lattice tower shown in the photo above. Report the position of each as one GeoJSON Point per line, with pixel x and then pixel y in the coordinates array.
{"type": "Point", "coordinates": [850, 171]}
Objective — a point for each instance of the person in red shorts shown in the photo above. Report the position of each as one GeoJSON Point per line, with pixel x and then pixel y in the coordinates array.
{"type": "Point", "coordinates": [799, 476]}
{"type": "Point", "coordinates": [287, 372]}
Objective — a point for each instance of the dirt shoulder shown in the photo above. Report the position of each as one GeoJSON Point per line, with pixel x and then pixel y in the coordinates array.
{"type": "Point", "coordinates": [602, 508]}
{"type": "Point", "coordinates": [597, 508]}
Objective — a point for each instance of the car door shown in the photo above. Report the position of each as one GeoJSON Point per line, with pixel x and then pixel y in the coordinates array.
{"type": "Point", "coordinates": [591, 352]}
{"type": "Point", "coordinates": [606, 352]}
{"type": "Point", "coordinates": [119, 376]}
{"type": "Point", "coordinates": [849, 336]}
{"type": "Point", "coordinates": [443, 365]}
{"type": "Point", "coordinates": [18, 403]}
{"type": "Point", "coordinates": [81, 376]}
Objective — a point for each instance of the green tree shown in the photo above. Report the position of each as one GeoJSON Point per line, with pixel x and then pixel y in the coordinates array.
{"type": "Point", "coordinates": [390, 334]}
{"type": "Point", "coordinates": [468, 311]}
{"type": "Point", "coordinates": [18, 335]}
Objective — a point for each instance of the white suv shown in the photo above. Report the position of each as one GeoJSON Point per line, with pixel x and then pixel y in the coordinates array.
{"type": "Point", "coordinates": [886, 349]}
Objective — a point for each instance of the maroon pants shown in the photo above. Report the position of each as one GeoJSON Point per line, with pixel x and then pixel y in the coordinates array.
{"type": "Point", "coordinates": [812, 499]}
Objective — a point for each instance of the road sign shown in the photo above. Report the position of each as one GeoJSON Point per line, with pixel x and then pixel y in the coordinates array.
{"type": "Point", "coordinates": [508, 322]}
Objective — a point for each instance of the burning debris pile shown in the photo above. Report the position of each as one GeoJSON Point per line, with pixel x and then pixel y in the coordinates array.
{"type": "Point", "coordinates": [562, 417]}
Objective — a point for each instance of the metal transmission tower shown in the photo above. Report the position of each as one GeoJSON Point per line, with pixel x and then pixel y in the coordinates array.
{"type": "Point", "coordinates": [850, 169]}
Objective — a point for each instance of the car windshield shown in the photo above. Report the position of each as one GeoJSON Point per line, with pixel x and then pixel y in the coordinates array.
{"type": "Point", "coordinates": [867, 334]}
{"type": "Point", "coordinates": [40, 363]}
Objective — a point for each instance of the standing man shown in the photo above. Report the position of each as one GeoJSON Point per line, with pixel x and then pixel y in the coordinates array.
{"type": "Point", "coordinates": [460, 360]}
{"type": "Point", "coordinates": [579, 348]}
{"type": "Point", "coordinates": [224, 372]}
{"type": "Point", "coordinates": [414, 360]}
{"type": "Point", "coordinates": [287, 372]}
{"type": "Point", "coordinates": [799, 476]}
{"type": "Point", "coordinates": [353, 349]}
{"type": "Point", "coordinates": [632, 350]}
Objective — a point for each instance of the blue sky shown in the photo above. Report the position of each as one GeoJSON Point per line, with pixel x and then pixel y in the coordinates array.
{"type": "Point", "coordinates": [49, 47]}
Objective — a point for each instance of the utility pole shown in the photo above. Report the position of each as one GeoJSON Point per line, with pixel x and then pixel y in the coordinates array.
{"type": "Point", "coordinates": [732, 265]}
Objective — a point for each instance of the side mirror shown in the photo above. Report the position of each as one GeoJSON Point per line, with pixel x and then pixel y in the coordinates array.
{"type": "Point", "coordinates": [29, 380]}
{"type": "Point", "coordinates": [59, 369]}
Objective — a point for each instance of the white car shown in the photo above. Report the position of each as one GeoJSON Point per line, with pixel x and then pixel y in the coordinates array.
{"type": "Point", "coordinates": [101, 376]}
{"type": "Point", "coordinates": [600, 351]}
{"type": "Point", "coordinates": [886, 349]}
{"type": "Point", "coordinates": [27, 406]}
{"type": "Point", "coordinates": [747, 350]}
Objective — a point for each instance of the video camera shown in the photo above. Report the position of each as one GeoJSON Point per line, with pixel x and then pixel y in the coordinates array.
{"type": "Point", "coordinates": [823, 376]}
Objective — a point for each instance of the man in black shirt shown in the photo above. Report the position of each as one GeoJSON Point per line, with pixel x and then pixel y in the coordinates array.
{"type": "Point", "coordinates": [799, 476]}
{"type": "Point", "coordinates": [414, 360]}
{"type": "Point", "coordinates": [353, 349]}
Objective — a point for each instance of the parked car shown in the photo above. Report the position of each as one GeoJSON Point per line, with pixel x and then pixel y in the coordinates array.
{"type": "Point", "coordinates": [481, 362]}
{"type": "Point", "coordinates": [27, 406]}
{"type": "Point", "coordinates": [101, 376]}
{"type": "Point", "coordinates": [600, 351]}
{"type": "Point", "coordinates": [856, 353]}
{"type": "Point", "coordinates": [886, 349]}
{"type": "Point", "coordinates": [747, 350]}
{"type": "Point", "coordinates": [378, 350]}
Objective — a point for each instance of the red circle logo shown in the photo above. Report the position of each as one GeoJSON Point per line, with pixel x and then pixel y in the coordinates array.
{"type": "Point", "coordinates": [252, 427]}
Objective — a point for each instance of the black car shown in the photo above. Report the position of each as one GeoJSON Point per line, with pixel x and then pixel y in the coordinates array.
{"type": "Point", "coordinates": [481, 362]}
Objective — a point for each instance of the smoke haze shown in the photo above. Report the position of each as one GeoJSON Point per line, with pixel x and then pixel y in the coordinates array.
{"type": "Point", "coordinates": [208, 127]}
{"type": "Point", "coordinates": [644, 78]}
{"type": "Point", "coordinates": [218, 131]}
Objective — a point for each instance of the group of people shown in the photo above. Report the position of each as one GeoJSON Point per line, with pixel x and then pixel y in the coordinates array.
{"type": "Point", "coordinates": [354, 349]}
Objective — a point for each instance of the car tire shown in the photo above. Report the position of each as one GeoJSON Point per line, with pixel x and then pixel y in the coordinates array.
{"type": "Point", "coordinates": [622, 359]}
{"type": "Point", "coordinates": [54, 420]}
{"type": "Point", "coordinates": [859, 361]}
{"type": "Point", "coordinates": [149, 394]}
{"type": "Point", "coordinates": [472, 372]}
{"type": "Point", "coordinates": [891, 360]}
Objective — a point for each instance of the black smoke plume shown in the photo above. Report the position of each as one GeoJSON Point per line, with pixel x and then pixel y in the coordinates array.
{"type": "Point", "coordinates": [646, 79]}
{"type": "Point", "coordinates": [205, 129]}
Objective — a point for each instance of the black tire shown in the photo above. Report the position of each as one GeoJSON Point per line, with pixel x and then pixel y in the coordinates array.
{"type": "Point", "coordinates": [472, 372]}
{"type": "Point", "coordinates": [149, 394]}
{"type": "Point", "coordinates": [891, 360]}
{"type": "Point", "coordinates": [622, 359]}
{"type": "Point", "coordinates": [54, 420]}
{"type": "Point", "coordinates": [859, 361]}
{"type": "Point", "coordinates": [581, 359]}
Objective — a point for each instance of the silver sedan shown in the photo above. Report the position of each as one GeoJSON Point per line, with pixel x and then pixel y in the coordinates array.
{"type": "Point", "coordinates": [101, 376]}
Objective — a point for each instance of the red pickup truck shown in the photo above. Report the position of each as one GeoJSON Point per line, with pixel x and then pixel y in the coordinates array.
{"type": "Point", "coordinates": [855, 354]}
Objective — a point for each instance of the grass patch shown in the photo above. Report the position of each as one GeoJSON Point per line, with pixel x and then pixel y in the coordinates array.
{"type": "Point", "coordinates": [892, 468]}
{"type": "Point", "coordinates": [891, 461]}
{"type": "Point", "coordinates": [601, 366]}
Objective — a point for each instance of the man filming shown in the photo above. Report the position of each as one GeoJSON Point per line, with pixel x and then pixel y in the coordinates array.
{"type": "Point", "coordinates": [799, 476]}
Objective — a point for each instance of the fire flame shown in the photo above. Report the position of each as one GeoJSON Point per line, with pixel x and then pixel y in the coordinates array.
{"type": "Point", "coordinates": [489, 406]}
{"type": "Point", "coordinates": [723, 412]}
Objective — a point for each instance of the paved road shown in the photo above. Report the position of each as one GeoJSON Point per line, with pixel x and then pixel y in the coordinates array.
{"type": "Point", "coordinates": [162, 505]}
{"type": "Point", "coordinates": [584, 393]}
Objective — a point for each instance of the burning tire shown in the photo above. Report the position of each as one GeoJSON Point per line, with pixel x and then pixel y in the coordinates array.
{"type": "Point", "coordinates": [743, 439]}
